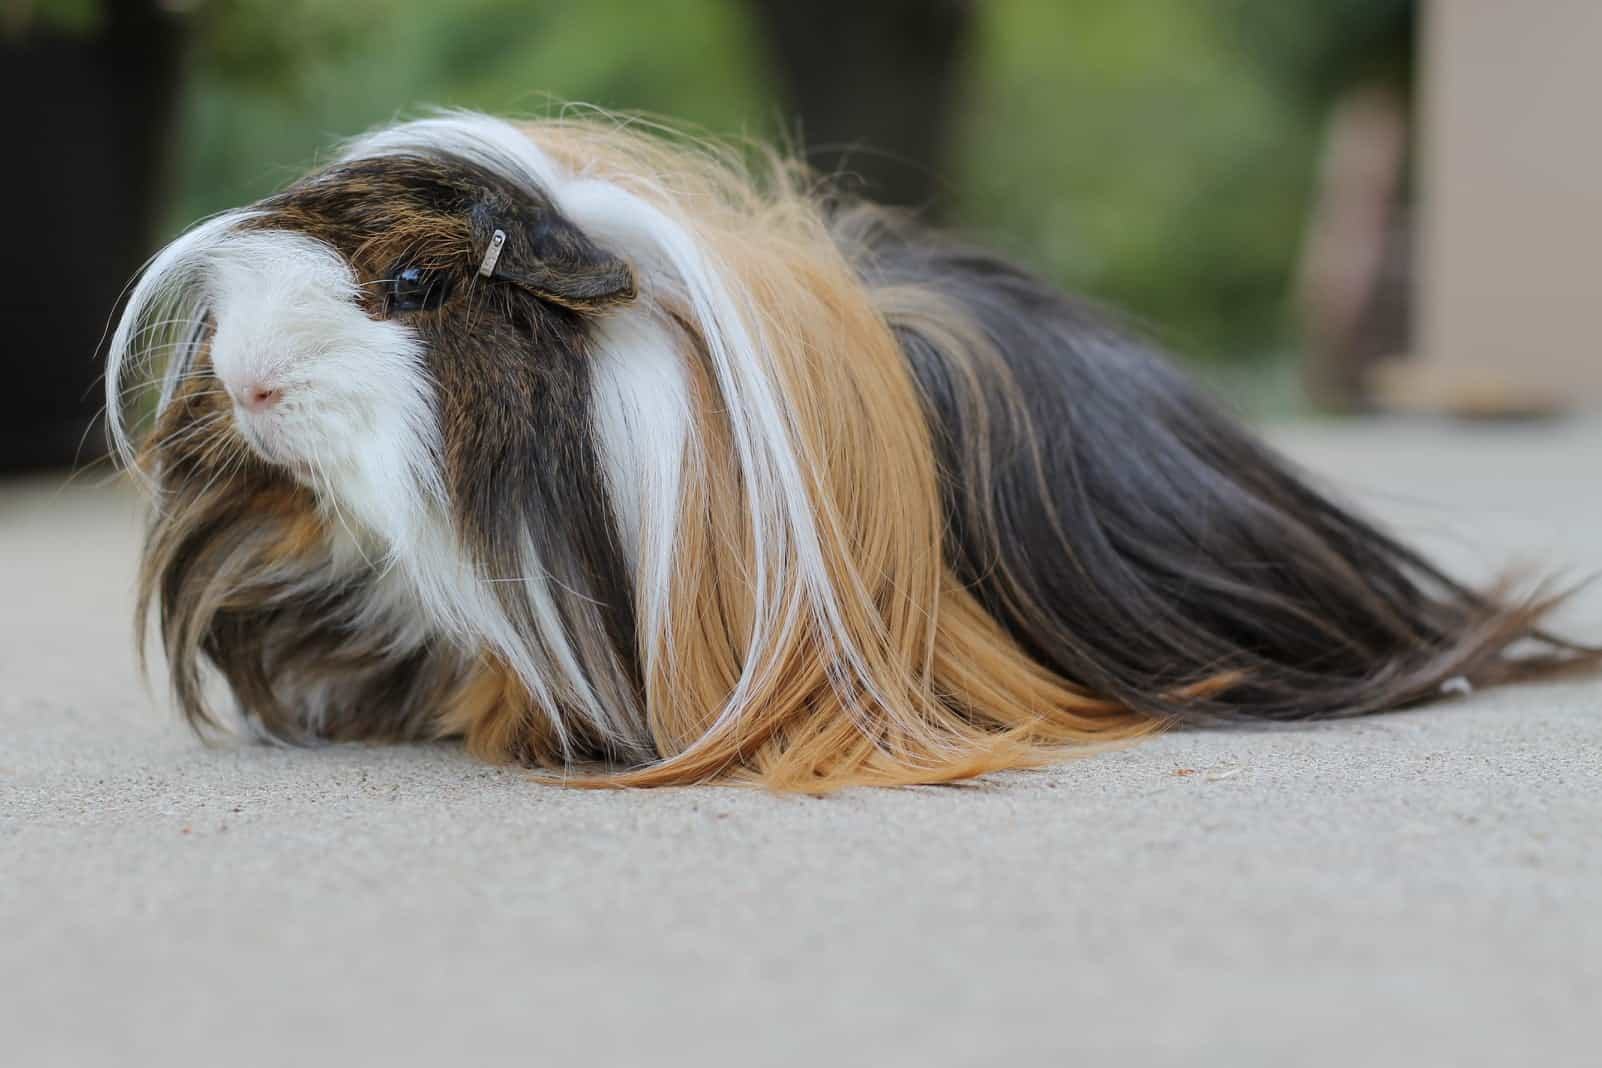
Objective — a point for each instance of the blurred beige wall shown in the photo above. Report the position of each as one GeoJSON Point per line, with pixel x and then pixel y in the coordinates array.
{"type": "Point", "coordinates": [1511, 200]}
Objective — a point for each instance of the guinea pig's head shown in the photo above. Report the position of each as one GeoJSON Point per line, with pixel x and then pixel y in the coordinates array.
{"type": "Point", "coordinates": [378, 285]}
{"type": "Point", "coordinates": [392, 355]}
{"type": "Point", "coordinates": [389, 318]}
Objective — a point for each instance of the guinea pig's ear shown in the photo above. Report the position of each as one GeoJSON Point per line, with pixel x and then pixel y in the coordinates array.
{"type": "Point", "coordinates": [547, 255]}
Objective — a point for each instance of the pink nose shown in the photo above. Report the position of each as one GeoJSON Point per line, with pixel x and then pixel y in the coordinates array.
{"type": "Point", "coordinates": [257, 397]}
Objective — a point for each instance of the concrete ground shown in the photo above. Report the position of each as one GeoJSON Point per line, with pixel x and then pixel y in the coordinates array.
{"type": "Point", "coordinates": [1423, 888]}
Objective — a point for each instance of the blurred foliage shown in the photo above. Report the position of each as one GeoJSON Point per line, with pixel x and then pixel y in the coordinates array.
{"type": "Point", "coordinates": [280, 49]}
{"type": "Point", "coordinates": [57, 16]}
{"type": "Point", "coordinates": [276, 82]}
{"type": "Point", "coordinates": [1129, 150]}
{"type": "Point", "coordinates": [1155, 154]}
{"type": "Point", "coordinates": [1312, 49]}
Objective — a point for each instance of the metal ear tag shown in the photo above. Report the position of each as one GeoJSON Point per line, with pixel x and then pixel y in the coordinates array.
{"type": "Point", "coordinates": [492, 254]}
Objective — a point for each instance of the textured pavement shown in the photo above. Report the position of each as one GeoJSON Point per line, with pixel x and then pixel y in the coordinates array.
{"type": "Point", "coordinates": [1423, 888]}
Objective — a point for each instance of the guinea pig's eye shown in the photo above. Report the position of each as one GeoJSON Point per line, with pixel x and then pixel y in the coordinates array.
{"type": "Point", "coordinates": [416, 289]}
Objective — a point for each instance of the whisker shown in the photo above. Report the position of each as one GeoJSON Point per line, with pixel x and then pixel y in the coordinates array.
{"type": "Point", "coordinates": [333, 502]}
{"type": "Point", "coordinates": [150, 327]}
{"type": "Point", "coordinates": [189, 431]}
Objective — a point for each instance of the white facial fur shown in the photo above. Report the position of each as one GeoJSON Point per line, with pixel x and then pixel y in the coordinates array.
{"type": "Point", "coordinates": [353, 396]}
{"type": "Point", "coordinates": [354, 413]}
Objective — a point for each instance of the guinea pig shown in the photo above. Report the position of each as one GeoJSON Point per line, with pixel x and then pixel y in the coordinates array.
{"type": "Point", "coordinates": [642, 462]}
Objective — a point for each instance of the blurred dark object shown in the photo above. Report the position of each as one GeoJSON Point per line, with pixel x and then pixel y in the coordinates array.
{"type": "Point", "coordinates": [81, 199]}
{"type": "Point", "coordinates": [1315, 50]}
{"type": "Point", "coordinates": [875, 86]}
{"type": "Point", "coordinates": [1354, 287]}
{"type": "Point", "coordinates": [1352, 64]}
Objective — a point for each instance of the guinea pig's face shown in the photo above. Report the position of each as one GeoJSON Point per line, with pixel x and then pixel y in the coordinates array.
{"type": "Point", "coordinates": [363, 311]}
{"type": "Point", "coordinates": [311, 359]}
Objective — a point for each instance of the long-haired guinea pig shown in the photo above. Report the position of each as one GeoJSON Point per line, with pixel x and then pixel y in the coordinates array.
{"type": "Point", "coordinates": [624, 457]}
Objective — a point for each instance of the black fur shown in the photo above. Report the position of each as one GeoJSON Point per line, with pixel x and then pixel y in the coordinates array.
{"type": "Point", "coordinates": [1136, 540]}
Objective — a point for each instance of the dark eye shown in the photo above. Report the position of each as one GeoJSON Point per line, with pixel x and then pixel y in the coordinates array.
{"type": "Point", "coordinates": [416, 289]}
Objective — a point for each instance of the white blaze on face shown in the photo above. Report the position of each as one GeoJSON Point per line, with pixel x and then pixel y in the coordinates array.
{"type": "Point", "coordinates": [317, 384]}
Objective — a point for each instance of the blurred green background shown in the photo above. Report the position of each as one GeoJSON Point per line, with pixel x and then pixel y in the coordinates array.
{"type": "Point", "coordinates": [1158, 154]}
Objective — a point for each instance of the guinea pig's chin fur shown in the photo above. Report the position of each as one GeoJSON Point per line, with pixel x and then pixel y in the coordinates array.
{"type": "Point", "coordinates": [282, 447]}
